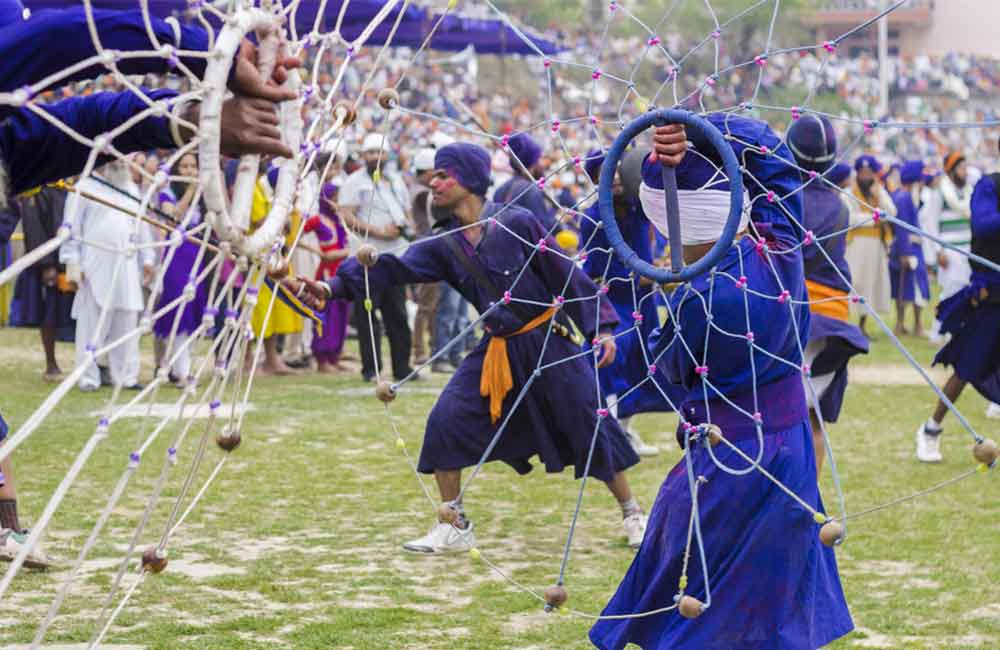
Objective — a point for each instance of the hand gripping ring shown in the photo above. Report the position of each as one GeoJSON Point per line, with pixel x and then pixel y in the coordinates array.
{"type": "Point", "coordinates": [678, 272]}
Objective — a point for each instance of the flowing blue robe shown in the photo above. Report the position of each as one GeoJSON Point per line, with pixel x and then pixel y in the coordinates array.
{"type": "Point", "coordinates": [825, 262]}
{"type": "Point", "coordinates": [906, 281]}
{"type": "Point", "coordinates": [773, 584]}
{"type": "Point", "coordinates": [557, 416]}
{"type": "Point", "coordinates": [628, 295]}
{"type": "Point", "coordinates": [972, 316]}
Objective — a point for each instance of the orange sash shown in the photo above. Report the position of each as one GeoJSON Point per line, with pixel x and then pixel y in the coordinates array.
{"type": "Point", "coordinates": [834, 303]}
{"type": "Point", "coordinates": [496, 381]}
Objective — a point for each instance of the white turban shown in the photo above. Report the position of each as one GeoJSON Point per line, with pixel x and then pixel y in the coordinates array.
{"type": "Point", "coordinates": [704, 213]}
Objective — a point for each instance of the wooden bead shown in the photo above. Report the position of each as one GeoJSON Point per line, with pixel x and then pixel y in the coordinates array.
{"type": "Point", "coordinates": [367, 255]}
{"type": "Point", "coordinates": [153, 561]}
{"type": "Point", "coordinates": [345, 110]}
{"type": "Point", "coordinates": [388, 98]}
{"type": "Point", "coordinates": [714, 435]}
{"type": "Point", "coordinates": [447, 514]}
{"type": "Point", "coordinates": [384, 392]}
{"type": "Point", "coordinates": [690, 607]}
{"type": "Point", "coordinates": [228, 440]}
{"type": "Point", "coordinates": [279, 270]}
{"type": "Point", "coordinates": [831, 533]}
{"type": "Point", "coordinates": [556, 596]}
{"type": "Point", "coordinates": [986, 452]}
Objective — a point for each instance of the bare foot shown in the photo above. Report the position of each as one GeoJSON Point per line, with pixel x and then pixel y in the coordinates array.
{"type": "Point", "coordinates": [279, 368]}
{"type": "Point", "coordinates": [328, 369]}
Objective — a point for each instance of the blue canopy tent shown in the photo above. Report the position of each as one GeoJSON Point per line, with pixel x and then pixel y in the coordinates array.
{"type": "Point", "coordinates": [456, 32]}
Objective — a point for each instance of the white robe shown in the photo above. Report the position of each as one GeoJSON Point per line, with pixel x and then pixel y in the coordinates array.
{"type": "Point", "coordinates": [868, 259]}
{"type": "Point", "coordinates": [100, 237]}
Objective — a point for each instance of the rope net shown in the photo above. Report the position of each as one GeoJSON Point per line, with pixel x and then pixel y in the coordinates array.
{"type": "Point", "coordinates": [582, 105]}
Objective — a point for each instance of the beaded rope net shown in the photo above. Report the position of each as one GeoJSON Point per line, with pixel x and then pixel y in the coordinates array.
{"type": "Point", "coordinates": [611, 93]}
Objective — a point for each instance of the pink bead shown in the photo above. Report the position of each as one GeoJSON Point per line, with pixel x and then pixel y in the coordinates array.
{"type": "Point", "coordinates": [830, 46]}
{"type": "Point", "coordinates": [594, 120]}
{"type": "Point", "coordinates": [577, 161]}
{"type": "Point", "coordinates": [716, 34]}
{"type": "Point", "coordinates": [757, 417]}
{"type": "Point", "coordinates": [812, 174]}
{"type": "Point", "coordinates": [506, 297]}
{"type": "Point", "coordinates": [764, 150]}
{"type": "Point", "coordinates": [546, 63]}
{"type": "Point", "coordinates": [808, 239]}
{"type": "Point", "coordinates": [805, 369]}
{"type": "Point", "coordinates": [555, 125]}
{"type": "Point", "coordinates": [741, 282]}
{"type": "Point", "coordinates": [783, 297]}
{"type": "Point", "coordinates": [761, 245]}
{"type": "Point", "coordinates": [604, 289]}
{"type": "Point", "coordinates": [560, 300]}
{"type": "Point", "coordinates": [855, 299]}
{"type": "Point", "coordinates": [710, 81]}
{"type": "Point", "coordinates": [760, 60]}
{"type": "Point", "coordinates": [613, 7]}
{"type": "Point", "coordinates": [771, 196]}
{"type": "Point", "coordinates": [542, 246]}
{"type": "Point", "coordinates": [602, 413]}
{"type": "Point", "coordinates": [750, 336]}
{"type": "Point", "coordinates": [671, 73]}
{"type": "Point", "coordinates": [876, 215]}
{"type": "Point", "coordinates": [637, 316]}
{"type": "Point", "coordinates": [869, 127]}
{"type": "Point", "coordinates": [796, 113]}
{"type": "Point", "coordinates": [595, 75]}
{"type": "Point", "coordinates": [652, 368]}
{"type": "Point", "coordinates": [505, 140]}
{"type": "Point", "coordinates": [654, 41]}
{"type": "Point", "coordinates": [701, 370]}
{"type": "Point", "coordinates": [583, 256]}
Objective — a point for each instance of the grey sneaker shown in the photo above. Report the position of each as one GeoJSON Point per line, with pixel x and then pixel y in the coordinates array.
{"type": "Point", "coordinates": [929, 444]}
{"type": "Point", "coordinates": [635, 528]}
{"type": "Point", "coordinates": [11, 543]}
{"type": "Point", "coordinates": [443, 538]}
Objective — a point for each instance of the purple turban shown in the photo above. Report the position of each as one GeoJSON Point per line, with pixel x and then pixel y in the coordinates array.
{"type": "Point", "coordinates": [592, 165]}
{"type": "Point", "coordinates": [838, 173]}
{"type": "Point", "coordinates": [524, 147]}
{"type": "Point", "coordinates": [11, 11]}
{"type": "Point", "coordinates": [467, 163]}
{"type": "Point", "coordinates": [930, 175]}
{"type": "Point", "coordinates": [912, 171]}
{"type": "Point", "coordinates": [814, 142]}
{"type": "Point", "coordinates": [867, 162]}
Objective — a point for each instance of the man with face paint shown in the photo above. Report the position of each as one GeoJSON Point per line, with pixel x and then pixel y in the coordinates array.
{"type": "Point", "coordinates": [625, 383]}
{"type": "Point", "coordinates": [868, 240]}
{"type": "Point", "coordinates": [553, 412]}
{"type": "Point", "coordinates": [773, 584]}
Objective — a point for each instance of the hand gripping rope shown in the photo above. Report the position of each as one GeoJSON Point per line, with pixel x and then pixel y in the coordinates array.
{"type": "Point", "coordinates": [678, 272]}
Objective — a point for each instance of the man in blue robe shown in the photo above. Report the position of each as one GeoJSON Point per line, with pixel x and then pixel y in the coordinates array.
{"type": "Point", "coordinates": [522, 189]}
{"type": "Point", "coordinates": [907, 267]}
{"type": "Point", "coordinates": [50, 41]}
{"type": "Point", "coordinates": [833, 339]}
{"type": "Point", "coordinates": [773, 584]}
{"type": "Point", "coordinates": [627, 384]}
{"type": "Point", "coordinates": [972, 318]}
{"type": "Point", "coordinates": [527, 374]}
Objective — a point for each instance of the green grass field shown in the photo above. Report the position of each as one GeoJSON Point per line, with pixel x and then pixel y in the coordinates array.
{"type": "Point", "coordinates": [297, 543]}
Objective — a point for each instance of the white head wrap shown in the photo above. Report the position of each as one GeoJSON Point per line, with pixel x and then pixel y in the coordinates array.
{"type": "Point", "coordinates": [703, 213]}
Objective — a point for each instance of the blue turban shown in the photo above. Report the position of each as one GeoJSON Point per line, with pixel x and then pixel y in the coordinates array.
{"type": "Point", "coordinates": [231, 168]}
{"type": "Point", "coordinates": [912, 171]}
{"type": "Point", "coordinates": [467, 163]}
{"type": "Point", "coordinates": [814, 142]}
{"type": "Point", "coordinates": [592, 165]}
{"type": "Point", "coordinates": [930, 175]}
{"type": "Point", "coordinates": [867, 162]}
{"type": "Point", "coordinates": [525, 148]}
{"type": "Point", "coordinates": [838, 173]}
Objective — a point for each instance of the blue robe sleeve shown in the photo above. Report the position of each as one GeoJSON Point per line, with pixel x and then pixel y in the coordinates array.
{"type": "Point", "coordinates": [669, 352]}
{"type": "Point", "coordinates": [9, 218]}
{"type": "Point", "coordinates": [55, 39]}
{"type": "Point", "coordinates": [904, 243]}
{"type": "Point", "coordinates": [985, 211]}
{"type": "Point", "coordinates": [596, 263]}
{"type": "Point", "coordinates": [421, 263]}
{"type": "Point", "coordinates": [36, 152]}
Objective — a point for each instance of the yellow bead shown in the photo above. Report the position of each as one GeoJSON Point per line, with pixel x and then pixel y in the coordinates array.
{"type": "Point", "coordinates": [819, 518]}
{"type": "Point", "coordinates": [983, 468]}
{"type": "Point", "coordinates": [474, 553]}
{"type": "Point", "coordinates": [563, 611]}
{"type": "Point", "coordinates": [684, 582]}
{"type": "Point", "coordinates": [400, 444]}
{"type": "Point", "coordinates": [368, 304]}
{"type": "Point", "coordinates": [452, 4]}
{"type": "Point", "coordinates": [376, 176]}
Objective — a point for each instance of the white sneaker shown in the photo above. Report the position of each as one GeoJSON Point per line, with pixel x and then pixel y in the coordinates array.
{"type": "Point", "coordinates": [639, 446]}
{"type": "Point", "coordinates": [635, 528]}
{"type": "Point", "coordinates": [12, 542]}
{"type": "Point", "coordinates": [443, 538]}
{"type": "Point", "coordinates": [993, 411]}
{"type": "Point", "coordinates": [928, 446]}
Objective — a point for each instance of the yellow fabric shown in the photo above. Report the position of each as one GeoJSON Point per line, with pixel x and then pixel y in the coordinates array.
{"type": "Point", "coordinates": [835, 305]}
{"type": "Point", "coordinates": [496, 381]}
{"type": "Point", "coordinates": [283, 319]}
{"type": "Point", "coordinates": [876, 230]}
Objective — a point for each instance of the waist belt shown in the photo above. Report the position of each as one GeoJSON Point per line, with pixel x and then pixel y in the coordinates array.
{"type": "Point", "coordinates": [833, 301]}
{"type": "Point", "coordinates": [865, 231]}
{"type": "Point", "coordinates": [496, 380]}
